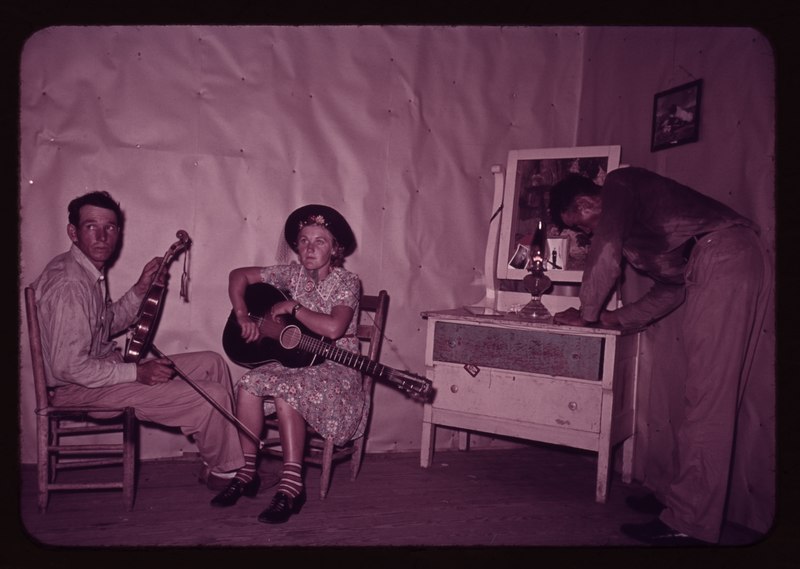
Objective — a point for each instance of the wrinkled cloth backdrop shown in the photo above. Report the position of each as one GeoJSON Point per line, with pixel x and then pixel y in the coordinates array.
{"type": "Point", "coordinates": [222, 131]}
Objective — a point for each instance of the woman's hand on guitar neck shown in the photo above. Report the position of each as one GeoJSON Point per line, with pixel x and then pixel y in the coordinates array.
{"type": "Point", "coordinates": [146, 278]}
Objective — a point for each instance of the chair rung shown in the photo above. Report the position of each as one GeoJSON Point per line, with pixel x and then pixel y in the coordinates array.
{"type": "Point", "coordinates": [83, 485]}
{"type": "Point", "coordinates": [67, 411]}
{"type": "Point", "coordinates": [66, 431]}
{"type": "Point", "coordinates": [85, 449]}
{"type": "Point", "coordinates": [87, 463]}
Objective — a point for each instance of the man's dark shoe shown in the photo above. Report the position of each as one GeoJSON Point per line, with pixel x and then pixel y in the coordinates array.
{"type": "Point", "coordinates": [235, 490]}
{"type": "Point", "coordinates": [212, 481]}
{"type": "Point", "coordinates": [645, 504]}
{"type": "Point", "coordinates": [215, 483]}
{"type": "Point", "coordinates": [281, 508]}
{"type": "Point", "coordinates": [657, 532]}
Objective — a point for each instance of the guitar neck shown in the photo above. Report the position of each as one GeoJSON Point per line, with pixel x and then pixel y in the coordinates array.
{"type": "Point", "coordinates": [418, 387]}
{"type": "Point", "coordinates": [338, 355]}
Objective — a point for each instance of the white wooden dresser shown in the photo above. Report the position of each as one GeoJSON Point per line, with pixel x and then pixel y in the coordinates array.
{"type": "Point", "coordinates": [564, 385]}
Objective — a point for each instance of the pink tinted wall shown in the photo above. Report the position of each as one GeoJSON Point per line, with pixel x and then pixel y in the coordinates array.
{"type": "Point", "coordinates": [222, 131]}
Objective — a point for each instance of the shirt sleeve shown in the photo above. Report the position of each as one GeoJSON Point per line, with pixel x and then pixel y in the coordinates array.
{"type": "Point", "coordinates": [659, 301]}
{"type": "Point", "coordinates": [279, 276]}
{"type": "Point", "coordinates": [605, 254]}
{"type": "Point", "coordinates": [125, 311]}
{"type": "Point", "coordinates": [349, 292]}
{"type": "Point", "coordinates": [69, 329]}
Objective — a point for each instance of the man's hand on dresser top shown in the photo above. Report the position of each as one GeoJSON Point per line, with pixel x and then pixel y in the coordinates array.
{"type": "Point", "coordinates": [569, 317]}
{"type": "Point", "coordinates": [572, 317]}
{"type": "Point", "coordinates": [609, 319]}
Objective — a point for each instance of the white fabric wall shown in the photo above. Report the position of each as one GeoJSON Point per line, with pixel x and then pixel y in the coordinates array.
{"type": "Point", "coordinates": [222, 131]}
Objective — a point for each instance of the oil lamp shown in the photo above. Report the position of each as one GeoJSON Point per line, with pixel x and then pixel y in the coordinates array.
{"type": "Point", "coordinates": [537, 282]}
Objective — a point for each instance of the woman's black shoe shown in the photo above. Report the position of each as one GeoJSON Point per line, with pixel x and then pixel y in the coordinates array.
{"type": "Point", "coordinates": [235, 490]}
{"type": "Point", "coordinates": [281, 508]}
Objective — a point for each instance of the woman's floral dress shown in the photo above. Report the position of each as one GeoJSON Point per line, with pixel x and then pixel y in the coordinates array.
{"type": "Point", "coordinates": [329, 396]}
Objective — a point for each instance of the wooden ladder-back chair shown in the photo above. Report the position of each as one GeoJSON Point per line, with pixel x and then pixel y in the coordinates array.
{"type": "Point", "coordinates": [322, 452]}
{"type": "Point", "coordinates": [60, 428]}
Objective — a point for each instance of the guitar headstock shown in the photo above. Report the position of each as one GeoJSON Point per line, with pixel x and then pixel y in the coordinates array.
{"type": "Point", "coordinates": [417, 388]}
{"type": "Point", "coordinates": [424, 395]}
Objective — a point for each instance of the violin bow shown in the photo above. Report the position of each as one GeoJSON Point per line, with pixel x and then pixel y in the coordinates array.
{"type": "Point", "coordinates": [228, 415]}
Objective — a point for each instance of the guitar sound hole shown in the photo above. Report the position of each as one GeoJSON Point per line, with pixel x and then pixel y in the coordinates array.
{"type": "Point", "coordinates": [290, 337]}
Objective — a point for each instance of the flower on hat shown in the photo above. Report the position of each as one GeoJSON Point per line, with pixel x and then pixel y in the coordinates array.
{"type": "Point", "coordinates": [314, 220]}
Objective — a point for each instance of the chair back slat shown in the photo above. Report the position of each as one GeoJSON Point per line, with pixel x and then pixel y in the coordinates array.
{"type": "Point", "coordinates": [37, 359]}
{"type": "Point", "coordinates": [373, 333]}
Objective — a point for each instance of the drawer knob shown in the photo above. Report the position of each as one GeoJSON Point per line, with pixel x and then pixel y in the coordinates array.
{"type": "Point", "coordinates": [572, 406]}
{"type": "Point", "coordinates": [454, 388]}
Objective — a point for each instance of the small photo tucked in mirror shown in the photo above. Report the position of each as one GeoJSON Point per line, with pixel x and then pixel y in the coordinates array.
{"type": "Point", "coordinates": [521, 257]}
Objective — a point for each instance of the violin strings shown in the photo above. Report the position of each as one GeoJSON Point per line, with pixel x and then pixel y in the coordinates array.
{"type": "Point", "coordinates": [185, 277]}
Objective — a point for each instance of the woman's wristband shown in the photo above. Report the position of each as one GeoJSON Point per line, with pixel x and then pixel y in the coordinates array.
{"type": "Point", "coordinates": [295, 309]}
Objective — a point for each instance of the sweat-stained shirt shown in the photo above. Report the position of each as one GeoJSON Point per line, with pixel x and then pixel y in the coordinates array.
{"type": "Point", "coordinates": [647, 219]}
{"type": "Point", "coordinates": [77, 323]}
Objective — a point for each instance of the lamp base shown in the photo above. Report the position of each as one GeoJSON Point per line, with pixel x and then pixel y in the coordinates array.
{"type": "Point", "coordinates": [536, 311]}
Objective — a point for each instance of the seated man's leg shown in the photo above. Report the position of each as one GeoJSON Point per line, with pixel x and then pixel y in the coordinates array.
{"type": "Point", "coordinates": [205, 366]}
{"type": "Point", "coordinates": [178, 404]}
{"type": "Point", "coordinates": [217, 438]}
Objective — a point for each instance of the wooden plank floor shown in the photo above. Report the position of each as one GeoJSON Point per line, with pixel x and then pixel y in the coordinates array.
{"type": "Point", "coordinates": [538, 495]}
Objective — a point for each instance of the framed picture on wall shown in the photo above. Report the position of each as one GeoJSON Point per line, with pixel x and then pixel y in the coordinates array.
{"type": "Point", "coordinates": [676, 116]}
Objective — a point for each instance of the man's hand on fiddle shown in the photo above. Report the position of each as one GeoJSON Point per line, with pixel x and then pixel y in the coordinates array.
{"type": "Point", "coordinates": [569, 317]}
{"type": "Point", "coordinates": [151, 372]}
{"type": "Point", "coordinates": [146, 278]}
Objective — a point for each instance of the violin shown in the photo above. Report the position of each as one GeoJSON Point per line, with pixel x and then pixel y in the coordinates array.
{"type": "Point", "coordinates": [144, 327]}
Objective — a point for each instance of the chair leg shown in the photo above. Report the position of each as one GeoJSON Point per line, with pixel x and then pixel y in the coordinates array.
{"type": "Point", "coordinates": [327, 467]}
{"type": "Point", "coordinates": [43, 461]}
{"type": "Point", "coordinates": [53, 439]}
{"type": "Point", "coordinates": [129, 435]}
{"type": "Point", "coordinates": [355, 459]}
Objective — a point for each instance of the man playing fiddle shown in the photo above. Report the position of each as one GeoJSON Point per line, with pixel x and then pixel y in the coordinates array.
{"type": "Point", "coordinates": [84, 366]}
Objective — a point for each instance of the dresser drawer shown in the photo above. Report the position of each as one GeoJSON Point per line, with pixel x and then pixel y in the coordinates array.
{"type": "Point", "coordinates": [515, 349]}
{"type": "Point", "coordinates": [521, 397]}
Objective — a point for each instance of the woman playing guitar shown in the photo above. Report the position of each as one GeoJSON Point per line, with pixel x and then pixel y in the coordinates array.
{"type": "Point", "coordinates": [323, 297]}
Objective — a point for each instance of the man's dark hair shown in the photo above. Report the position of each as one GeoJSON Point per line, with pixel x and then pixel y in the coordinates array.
{"type": "Point", "coordinates": [97, 199]}
{"type": "Point", "coordinates": [564, 193]}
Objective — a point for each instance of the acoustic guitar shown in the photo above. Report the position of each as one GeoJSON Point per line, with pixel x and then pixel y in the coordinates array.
{"type": "Point", "coordinates": [293, 345]}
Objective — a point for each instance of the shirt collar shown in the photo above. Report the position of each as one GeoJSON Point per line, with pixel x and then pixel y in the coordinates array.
{"type": "Point", "coordinates": [86, 263]}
